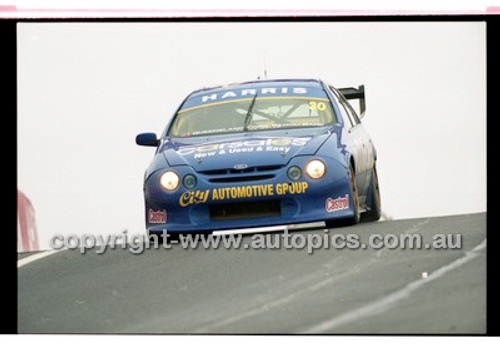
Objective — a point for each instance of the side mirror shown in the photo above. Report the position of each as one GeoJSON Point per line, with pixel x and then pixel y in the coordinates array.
{"type": "Point", "coordinates": [147, 139]}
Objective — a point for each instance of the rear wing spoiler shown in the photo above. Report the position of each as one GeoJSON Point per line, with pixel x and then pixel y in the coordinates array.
{"type": "Point", "coordinates": [351, 93]}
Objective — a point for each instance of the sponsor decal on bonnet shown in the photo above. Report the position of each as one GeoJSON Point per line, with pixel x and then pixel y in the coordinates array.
{"type": "Point", "coordinates": [259, 145]}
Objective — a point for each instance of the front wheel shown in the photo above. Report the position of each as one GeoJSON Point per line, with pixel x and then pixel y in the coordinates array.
{"type": "Point", "coordinates": [355, 200]}
{"type": "Point", "coordinates": [375, 211]}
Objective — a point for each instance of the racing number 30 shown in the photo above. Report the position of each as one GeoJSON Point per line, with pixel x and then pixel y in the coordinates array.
{"type": "Point", "coordinates": [320, 106]}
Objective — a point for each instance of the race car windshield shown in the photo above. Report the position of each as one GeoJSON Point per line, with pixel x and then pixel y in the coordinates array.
{"type": "Point", "coordinates": [253, 114]}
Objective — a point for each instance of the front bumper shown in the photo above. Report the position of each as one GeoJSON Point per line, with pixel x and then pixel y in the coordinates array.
{"type": "Point", "coordinates": [302, 201]}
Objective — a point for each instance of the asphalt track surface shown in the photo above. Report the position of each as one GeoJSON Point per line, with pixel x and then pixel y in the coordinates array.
{"type": "Point", "coordinates": [266, 291]}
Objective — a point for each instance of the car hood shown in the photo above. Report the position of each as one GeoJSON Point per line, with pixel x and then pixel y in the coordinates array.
{"type": "Point", "coordinates": [241, 150]}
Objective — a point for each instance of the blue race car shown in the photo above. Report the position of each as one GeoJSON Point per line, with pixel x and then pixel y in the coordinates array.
{"type": "Point", "coordinates": [262, 153]}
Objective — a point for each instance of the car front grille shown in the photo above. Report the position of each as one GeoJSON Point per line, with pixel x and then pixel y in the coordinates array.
{"type": "Point", "coordinates": [241, 175]}
{"type": "Point", "coordinates": [241, 178]}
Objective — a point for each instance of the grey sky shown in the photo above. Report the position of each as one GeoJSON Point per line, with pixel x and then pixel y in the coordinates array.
{"type": "Point", "coordinates": [85, 90]}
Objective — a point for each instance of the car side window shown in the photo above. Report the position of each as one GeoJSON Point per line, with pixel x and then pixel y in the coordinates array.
{"type": "Point", "coordinates": [346, 116]}
{"type": "Point", "coordinates": [351, 112]}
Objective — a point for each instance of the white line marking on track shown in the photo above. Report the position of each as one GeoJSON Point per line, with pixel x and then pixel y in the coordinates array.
{"type": "Point", "coordinates": [35, 257]}
{"type": "Point", "coordinates": [383, 304]}
{"type": "Point", "coordinates": [262, 308]}
{"type": "Point", "coordinates": [274, 303]}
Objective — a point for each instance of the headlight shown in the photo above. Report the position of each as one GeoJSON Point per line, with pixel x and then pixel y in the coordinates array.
{"type": "Point", "coordinates": [169, 180]}
{"type": "Point", "coordinates": [294, 173]}
{"type": "Point", "coordinates": [315, 169]}
{"type": "Point", "coordinates": [189, 181]}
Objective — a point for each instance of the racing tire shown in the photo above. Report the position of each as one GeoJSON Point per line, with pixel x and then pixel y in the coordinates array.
{"type": "Point", "coordinates": [356, 218]}
{"type": "Point", "coordinates": [375, 211]}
